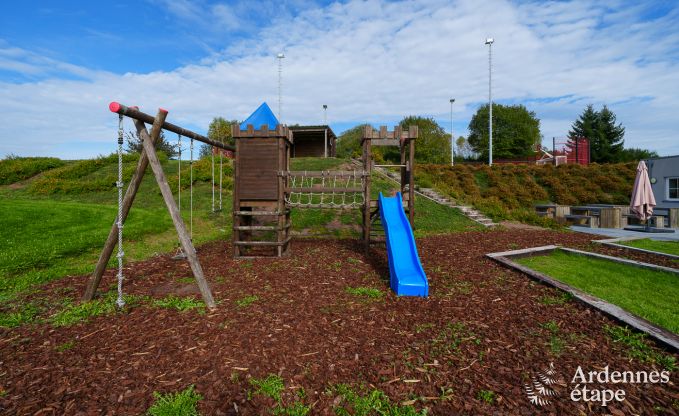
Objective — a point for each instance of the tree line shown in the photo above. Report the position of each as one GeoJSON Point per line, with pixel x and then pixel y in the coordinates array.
{"type": "Point", "coordinates": [516, 135]}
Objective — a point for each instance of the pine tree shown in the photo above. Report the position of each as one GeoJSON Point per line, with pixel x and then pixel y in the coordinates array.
{"type": "Point", "coordinates": [605, 138]}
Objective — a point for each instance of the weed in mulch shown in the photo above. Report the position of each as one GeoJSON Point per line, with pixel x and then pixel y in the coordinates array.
{"type": "Point", "coordinates": [349, 402]}
{"type": "Point", "coordinates": [247, 301]}
{"type": "Point", "coordinates": [272, 386]}
{"type": "Point", "coordinates": [65, 346]}
{"type": "Point", "coordinates": [366, 292]}
{"type": "Point", "coordinates": [556, 300]}
{"type": "Point", "coordinates": [486, 396]}
{"type": "Point", "coordinates": [18, 315]}
{"type": "Point", "coordinates": [556, 342]}
{"type": "Point", "coordinates": [182, 403]}
{"type": "Point", "coordinates": [74, 313]}
{"type": "Point", "coordinates": [638, 347]}
{"type": "Point", "coordinates": [180, 304]}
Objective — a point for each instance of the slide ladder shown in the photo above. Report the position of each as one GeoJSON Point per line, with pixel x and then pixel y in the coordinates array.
{"type": "Point", "coordinates": [407, 277]}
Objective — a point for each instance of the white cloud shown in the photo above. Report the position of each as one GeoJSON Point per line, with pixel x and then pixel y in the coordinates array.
{"type": "Point", "coordinates": [376, 61]}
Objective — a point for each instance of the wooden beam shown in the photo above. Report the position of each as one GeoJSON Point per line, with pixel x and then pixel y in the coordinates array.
{"type": "Point", "coordinates": [112, 239]}
{"type": "Point", "coordinates": [386, 142]}
{"type": "Point", "coordinates": [324, 190]}
{"type": "Point", "coordinates": [134, 113]}
{"type": "Point", "coordinates": [184, 238]}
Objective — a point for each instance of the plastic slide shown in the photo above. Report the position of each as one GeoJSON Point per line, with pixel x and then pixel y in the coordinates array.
{"type": "Point", "coordinates": [407, 277]}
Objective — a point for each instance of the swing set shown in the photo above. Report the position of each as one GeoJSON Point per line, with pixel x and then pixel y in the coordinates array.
{"type": "Point", "coordinates": [148, 157]}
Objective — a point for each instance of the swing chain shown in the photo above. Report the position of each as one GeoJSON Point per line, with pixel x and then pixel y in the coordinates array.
{"type": "Point", "coordinates": [120, 301]}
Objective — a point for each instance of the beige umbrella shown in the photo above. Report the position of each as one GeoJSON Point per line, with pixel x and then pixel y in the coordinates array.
{"type": "Point", "coordinates": [643, 200]}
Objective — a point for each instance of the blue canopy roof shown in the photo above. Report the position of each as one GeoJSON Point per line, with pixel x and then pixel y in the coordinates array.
{"type": "Point", "coordinates": [261, 116]}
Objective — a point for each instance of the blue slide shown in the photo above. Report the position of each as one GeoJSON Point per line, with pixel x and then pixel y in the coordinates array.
{"type": "Point", "coordinates": [407, 277]}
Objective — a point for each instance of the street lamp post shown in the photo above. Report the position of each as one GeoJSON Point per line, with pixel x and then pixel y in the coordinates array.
{"type": "Point", "coordinates": [489, 42]}
{"type": "Point", "coordinates": [452, 136]}
{"type": "Point", "coordinates": [325, 123]}
{"type": "Point", "coordinates": [280, 57]}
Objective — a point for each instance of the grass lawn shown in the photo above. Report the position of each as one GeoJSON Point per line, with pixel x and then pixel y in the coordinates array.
{"type": "Point", "coordinates": [669, 247]}
{"type": "Point", "coordinates": [650, 294]}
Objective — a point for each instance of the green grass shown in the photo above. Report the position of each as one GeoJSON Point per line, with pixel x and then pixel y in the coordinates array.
{"type": "Point", "coordinates": [367, 292]}
{"type": "Point", "coordinates": [639, 348]}
{"type": "Point", "coordinates": [668, 247]}
{"type": "Point", "coordinates": [247, 301]}
{"type": "Point", "coordinates": [183, 403]}
{"type": "Point", "coordinates": [486, 396]}
{"type": "Point", "coordinates": [650, 294]}
{"type": "Point", "coordinates": [271, 386]}
{"type": "Point", "coordinates": [316, 163]}
{"type": "Point", "coordinates": [41, 234]}
{"type": "Point", "coordinates": [180, 304]}
{"type": "Point", "coordinates": [373, 402]}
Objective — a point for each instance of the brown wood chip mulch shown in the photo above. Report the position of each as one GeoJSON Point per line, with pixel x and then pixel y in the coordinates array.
{"type": "Point", "coordinates": [482, 329]}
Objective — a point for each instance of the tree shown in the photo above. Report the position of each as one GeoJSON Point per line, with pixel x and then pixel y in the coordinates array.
{"type": "Point", "coordinates": [635, 155]}
{"type": "Point", "coordinates": [349, 142]}
{"type": "Point", "coordinates": [516, 131]}
{"type": "Point", "coordinates": [432, 144]}
{"type": "Point", "coordinates": [134, 144]}
{"type": "Point", "coordinates": [219, 130]}
{"type": "Point", "coordinates": [605, 138]}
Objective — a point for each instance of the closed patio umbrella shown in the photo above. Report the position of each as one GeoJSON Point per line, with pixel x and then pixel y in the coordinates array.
{"type": "Point", "coordinates": [643, 201]}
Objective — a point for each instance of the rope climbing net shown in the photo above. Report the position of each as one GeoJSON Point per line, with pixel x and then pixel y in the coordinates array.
{"type": "Point", "coordinates": [327, 189]}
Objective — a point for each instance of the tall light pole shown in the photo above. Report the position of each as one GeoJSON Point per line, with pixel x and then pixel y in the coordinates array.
{"type": "Point", "coordinates": [325, 123]}
{"type": "Point", "coordinates": [489, 42]}
{"type": "Point", "coordinates": [280, 57]}
{"type": "Point", "coordinates": [452, 136]}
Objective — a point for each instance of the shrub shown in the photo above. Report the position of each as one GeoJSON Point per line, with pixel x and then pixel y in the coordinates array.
{"type": "Point", "coordinates": [510, 191]}
{"type": "Point", "coordinates": [182, 403]}
{"type": "Point", "coordinates": [14, 169]}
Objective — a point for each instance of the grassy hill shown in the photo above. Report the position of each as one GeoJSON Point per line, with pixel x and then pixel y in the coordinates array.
{"type": "Point", "coordinates": [55, 215]}
{"type": "Point", "coordinates": [510, 191]}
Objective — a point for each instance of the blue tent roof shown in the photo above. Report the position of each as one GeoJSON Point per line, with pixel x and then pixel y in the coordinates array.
{"type": "Point", "coordinates": [261, 116]}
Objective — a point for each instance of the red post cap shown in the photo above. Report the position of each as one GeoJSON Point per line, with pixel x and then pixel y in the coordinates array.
{"type": "Point", "coordinates": [114, 107]}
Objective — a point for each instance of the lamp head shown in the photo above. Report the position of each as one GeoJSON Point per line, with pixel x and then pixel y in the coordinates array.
{"type": "Point", "coordinates": [280, 56]}
{"type": "Point", "coordinates": [325, 106]}
{"type": "Point", "coordinates": [489, 41]}
{"type": "Point", "coordinates": [452, 100]}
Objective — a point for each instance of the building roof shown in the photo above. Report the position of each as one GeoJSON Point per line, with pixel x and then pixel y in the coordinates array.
{"type": "Point", "coordinates": [313, 132]}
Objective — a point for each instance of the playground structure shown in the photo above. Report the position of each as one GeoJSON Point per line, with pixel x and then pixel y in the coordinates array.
{"type": "Point", "coordinates": [265, 191]}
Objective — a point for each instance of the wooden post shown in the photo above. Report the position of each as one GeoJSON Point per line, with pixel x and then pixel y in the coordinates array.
{"type": "Point", "coordinates": [112, 239]}
{"type": "Point", "coordinates": [184, 237]}
{"type": "Point", "coordinates": [235, 132]}
{"type": "Point", "coordinates": [412, 135]}
{"type": "Point", "coordinates": [367, 168]}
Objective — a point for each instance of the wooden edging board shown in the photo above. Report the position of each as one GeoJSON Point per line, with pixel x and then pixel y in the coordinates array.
{"type": "Point", "coordinates": [613, 242]}
{"type": "Point", "coordinates": [661, 335]}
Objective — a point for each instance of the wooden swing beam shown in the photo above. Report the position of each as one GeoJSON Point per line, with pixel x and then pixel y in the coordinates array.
{"type": "Point", "coordinates": [133, 112]}
{"type": "Point", "coordinates": [148, 156]}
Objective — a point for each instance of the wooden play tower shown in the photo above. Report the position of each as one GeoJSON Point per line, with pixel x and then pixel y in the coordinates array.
{"type": "Point", "coordinates": [265, 189]}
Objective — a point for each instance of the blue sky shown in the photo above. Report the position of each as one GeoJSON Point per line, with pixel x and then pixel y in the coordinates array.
{"type": "Point", "coordinates": [61, 62]}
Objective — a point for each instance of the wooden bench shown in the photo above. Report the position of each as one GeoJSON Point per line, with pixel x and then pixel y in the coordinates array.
{"type": "Point", "coordinates": [552, 210]}
{"type": "Point", "coordinates": [591, 221]}
{"type": "Point", "coordinates": [657, 221]}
